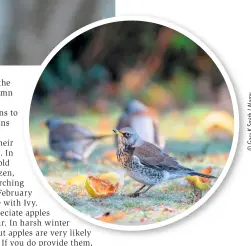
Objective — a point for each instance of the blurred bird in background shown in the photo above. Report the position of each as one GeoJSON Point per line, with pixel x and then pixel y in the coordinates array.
{"type": "Point", "coordinates": [137, 116]}
{"type": "Point", "coordinates": [71, 142]}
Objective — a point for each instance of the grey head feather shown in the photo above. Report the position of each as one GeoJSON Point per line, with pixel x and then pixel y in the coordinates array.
{"type": "Point", "coordinates": [130, 137]}
{"type": "Point", "coordinates": [53, 123]}
{"type": "Point", "coordinates": [134, 106]}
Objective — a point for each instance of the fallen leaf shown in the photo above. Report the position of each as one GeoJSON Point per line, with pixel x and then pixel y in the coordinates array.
{"type": "Point", "coordinates": [112, 177]}
{"type": "Point", "coordinates": [207, 171]}
{"type": "Point", "coordinates": [112, 217]}
{"type": "Point", "coordinates": [77, 180]}
{"type": "Point", "coordinates": [219, 120]}
{"type": "Point", "coordinates": [196, 182]}
{"type": "Point", "coordinates": [46, 158]}
{"type": "Point", "coordinates": [166, 210]}
{"type": "Point", "coordinates": [200, 182]}
{"type": "Point", "coordinates": [98, 188]}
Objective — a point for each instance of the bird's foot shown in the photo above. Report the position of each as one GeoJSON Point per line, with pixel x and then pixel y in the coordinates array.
{"type": "Point", "coordinates": [135, 194]}
{"type": "Point", "coordinates": [138, 194]}
{"type": "Point", "coordinates": [67, 166]}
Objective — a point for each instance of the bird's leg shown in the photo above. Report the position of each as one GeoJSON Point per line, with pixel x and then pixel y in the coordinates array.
{"type": "Point", "coordinates": [137, 192]}
{"type": "Point", "coordinates": [67, 165]}
{"type": "Point", "coordinates": [89, 149]}
{"type": "Point", "coordinates": [148, 188]}
{"type": "Point", "coordinates": [67, 157]}
{"type": "Point", "coordinates": [141, 188]}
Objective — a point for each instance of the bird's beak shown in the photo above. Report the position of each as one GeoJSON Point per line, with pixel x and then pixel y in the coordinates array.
{"type": "Point", "coordinates": [117, 132]}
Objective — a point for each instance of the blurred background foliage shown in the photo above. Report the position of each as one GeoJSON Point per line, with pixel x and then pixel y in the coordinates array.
{"type": "Point", "coordinates": [94, 75]}
{"type": "Point", "coordinates": [118, 61]}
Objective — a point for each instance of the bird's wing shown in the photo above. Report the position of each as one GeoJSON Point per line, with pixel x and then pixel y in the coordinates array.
{"type": "Point", "coordinates": [156, 133]}
{"type": "Point", "coordinates": [150, 155]}
{"type": "Point", "coordinates": [70, 132]}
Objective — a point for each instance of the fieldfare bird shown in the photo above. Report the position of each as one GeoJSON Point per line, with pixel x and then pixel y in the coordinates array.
{"type": "Point", "coordinates": [71, 142]}
{"type": "Point", "coordinates": [146, 163]}
{"type": "Point", "coordinates": [136, 116]}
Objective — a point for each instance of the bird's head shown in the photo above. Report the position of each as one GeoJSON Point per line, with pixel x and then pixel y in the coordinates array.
{"type": "Point", "coordinates": [128, 137]}
{"type": "Point", "coordinates": [134, 106]}
{"type": "Point", "coordinates": [53, 123]}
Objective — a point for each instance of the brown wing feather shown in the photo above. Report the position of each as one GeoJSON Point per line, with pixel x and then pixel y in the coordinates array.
{"type": "Point", "coordinates": [156, 133]}
{"type": "Point", "coordinates": [151, 155]}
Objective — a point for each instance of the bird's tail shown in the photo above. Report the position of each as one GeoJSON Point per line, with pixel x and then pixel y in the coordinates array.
{"type": "Point", "coordinates": [202, 175]}
{"type": "Point", "coordinates": [99, 137]}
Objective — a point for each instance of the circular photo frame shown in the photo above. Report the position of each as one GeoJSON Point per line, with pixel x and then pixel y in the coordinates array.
{"type": "Point", "coordinates": [189, 134]}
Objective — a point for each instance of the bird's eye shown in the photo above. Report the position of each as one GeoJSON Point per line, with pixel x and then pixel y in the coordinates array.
{"type": "Point", "coordinates": [127, 135]}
